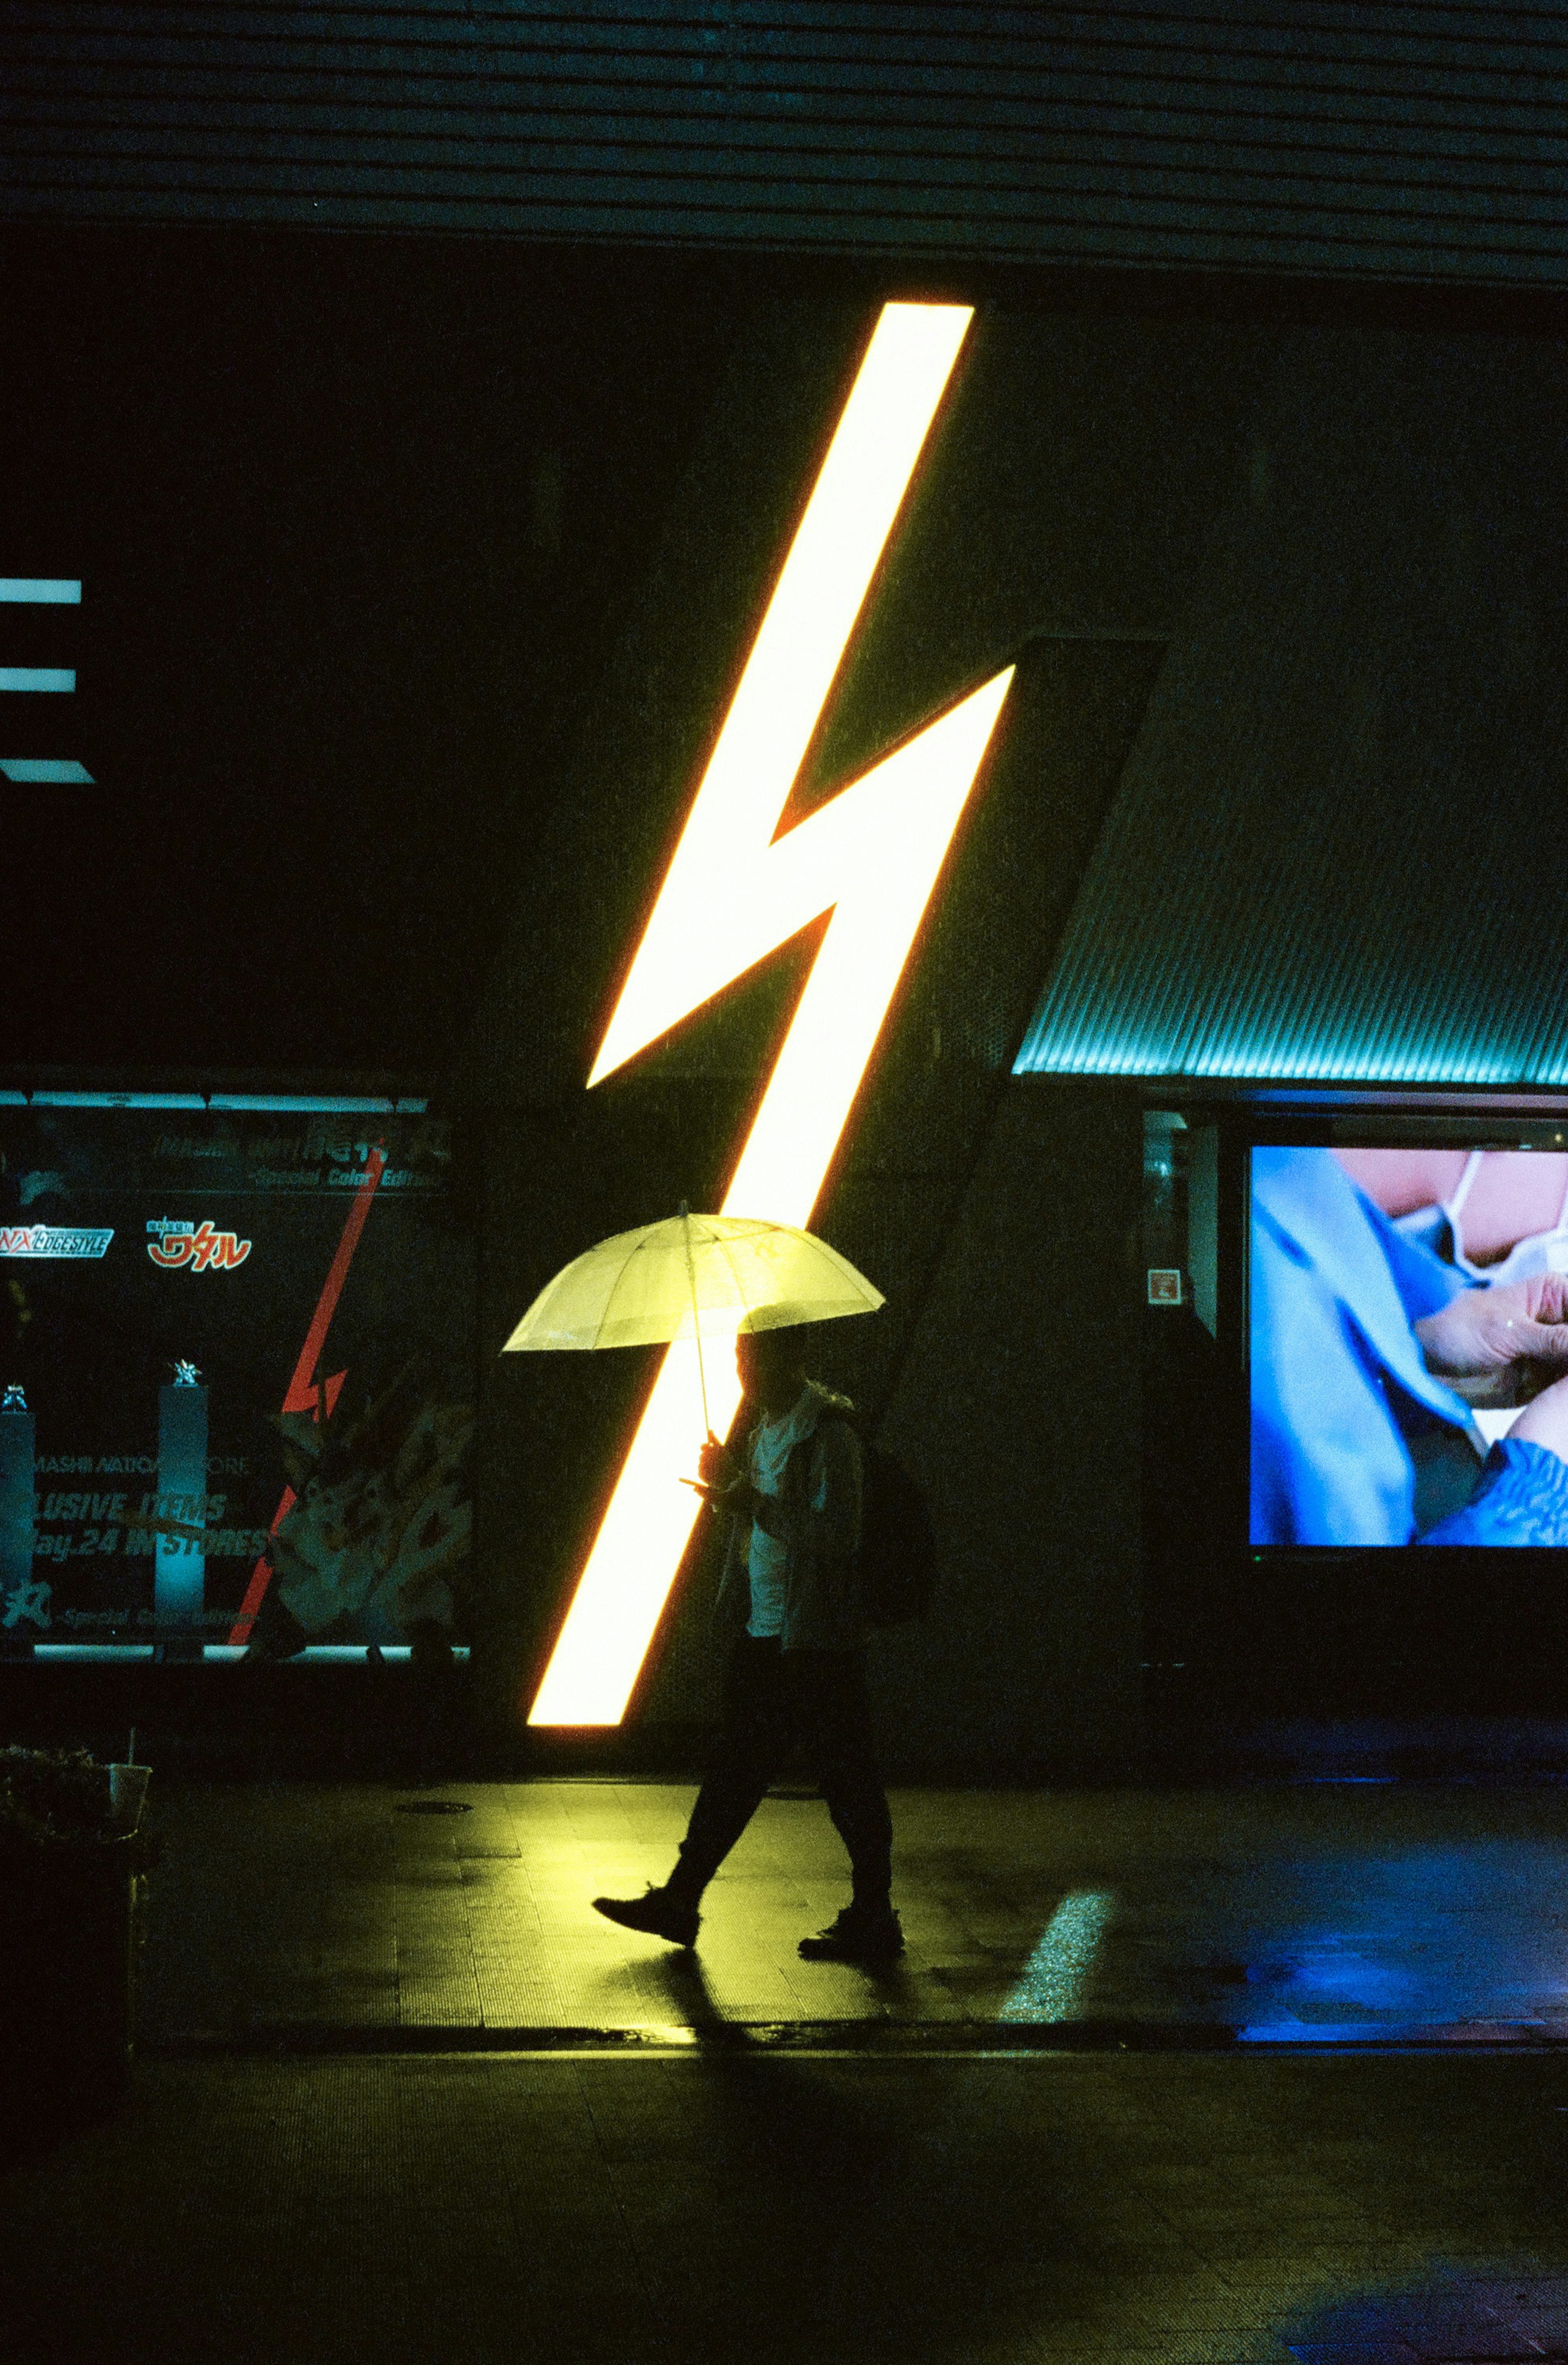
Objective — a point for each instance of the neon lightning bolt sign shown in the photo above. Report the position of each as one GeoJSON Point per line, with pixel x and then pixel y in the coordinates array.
{"type": "Point", "coordinates": [735, 892]}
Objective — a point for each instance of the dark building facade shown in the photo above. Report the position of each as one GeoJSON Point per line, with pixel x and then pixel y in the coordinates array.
{"type": "Point", "coordinates": [1249, 468]}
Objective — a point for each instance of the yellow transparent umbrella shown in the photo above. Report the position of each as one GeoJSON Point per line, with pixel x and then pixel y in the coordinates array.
{"type": "Point", "coordinates": [666, 1281]}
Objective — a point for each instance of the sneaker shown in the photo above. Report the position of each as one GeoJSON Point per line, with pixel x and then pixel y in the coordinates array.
{"type": "Point", "coordinates": [659, 1913]}
{"type": "Point", "coordinates": [858, 1936]}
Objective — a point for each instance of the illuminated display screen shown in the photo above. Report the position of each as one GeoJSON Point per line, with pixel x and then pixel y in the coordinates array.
{"type": "Point", "coordinates": [236, 1358]}
{"type": "Point", "coordinates": [1407, 1344]}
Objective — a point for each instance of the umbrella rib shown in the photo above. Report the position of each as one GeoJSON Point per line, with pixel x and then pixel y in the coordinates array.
{"type": "Point", "coordinates": [734, 1275]}
{"type": "Point", "coordinates": [635, 1250]}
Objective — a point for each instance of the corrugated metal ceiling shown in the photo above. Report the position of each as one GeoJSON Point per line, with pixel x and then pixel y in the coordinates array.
{"type": "Point", "coordinates": [1399, 142]}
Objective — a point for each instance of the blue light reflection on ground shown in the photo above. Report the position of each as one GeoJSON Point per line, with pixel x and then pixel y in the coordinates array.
{"type": "Point", "coordinates": [1479, 2312]}
{"type": "Point", "coordinates": [1054, 1977]}
{"type": "Point", "coordinates": [1430, 1938]}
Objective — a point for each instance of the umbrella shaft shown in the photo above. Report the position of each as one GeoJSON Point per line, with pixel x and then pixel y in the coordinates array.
{"type": "Point", "coordinates": [695, 1319]}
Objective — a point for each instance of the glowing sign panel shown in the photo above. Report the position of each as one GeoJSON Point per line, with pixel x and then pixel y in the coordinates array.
{"type": "Point", "coordinates": [734, 894]}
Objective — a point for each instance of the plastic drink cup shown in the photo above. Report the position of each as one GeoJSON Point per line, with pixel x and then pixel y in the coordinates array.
{"type": "Point", "coordinates": [127, 1789]}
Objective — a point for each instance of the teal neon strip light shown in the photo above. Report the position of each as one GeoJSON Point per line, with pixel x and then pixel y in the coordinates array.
{"type": "Point", "coordinates": [310, 1104]}
{"type": "Point", "coordinates": [118, 1100]}
{"type": "Point", "coordinates": [319, 1654]}
{"type": "Point", "coordinates": [270, 1103]}
{"type": "Point", "coordinates": [60, 770]}
{"type": "Point", "coordinates": [38, 677]}
{"type": "Point", "coordinates": [41, 590]}
{"type": "Point", "coordinates": [109, 1651]}
{"type": "Point", "coordinates": [1316, 1060]}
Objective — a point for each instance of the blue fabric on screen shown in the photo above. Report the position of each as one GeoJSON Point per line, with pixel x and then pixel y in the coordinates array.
{"type": "Point", "coordinates": [1335, 1290]}
{"type": "Point", "coordinates": [1522, 1498]}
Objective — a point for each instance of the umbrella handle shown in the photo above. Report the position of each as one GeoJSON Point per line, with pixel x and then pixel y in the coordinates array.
{"type": "Point", "coordinates": [696, 1319]}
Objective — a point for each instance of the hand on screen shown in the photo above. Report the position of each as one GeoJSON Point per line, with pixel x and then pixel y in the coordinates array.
{"type": "Point", "coordinates": [1500, 1346]}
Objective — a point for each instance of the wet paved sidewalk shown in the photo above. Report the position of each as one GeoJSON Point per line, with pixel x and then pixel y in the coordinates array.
{"type": "Point", "coordinates": [1276, 1914]}
{"type": "Point", "coordinates": [1142, 2092]}
{"type": "Point", "coordinates": [1309, 2208]}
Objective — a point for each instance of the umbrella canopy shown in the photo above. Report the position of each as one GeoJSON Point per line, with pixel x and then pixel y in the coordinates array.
{"type": "Point", "coordinates": [689, 1275]}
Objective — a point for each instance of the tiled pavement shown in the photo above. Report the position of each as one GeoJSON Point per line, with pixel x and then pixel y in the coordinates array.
{"type": "Point", "coordinates": [774, 2209]}
{"type": "Point", "coordinates": [705, 2192]}
{"type": "Point", "coordinates": [1279, 1913]}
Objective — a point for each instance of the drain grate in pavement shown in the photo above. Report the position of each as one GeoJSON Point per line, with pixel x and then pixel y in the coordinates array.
{"type": "Point", "coordinates": [434, 1807]}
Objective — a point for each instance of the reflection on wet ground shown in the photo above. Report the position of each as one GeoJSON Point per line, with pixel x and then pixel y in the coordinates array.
{"type": "Point", "coordinates": [1450, 2314]}
{"type": "Point", "coordinates": [1165, 2077]}
{"type": "Point", "coordinates": [1286, 1913]}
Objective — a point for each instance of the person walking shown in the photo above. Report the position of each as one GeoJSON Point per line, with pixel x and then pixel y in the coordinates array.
{"type": "Point", "coordinates": [792, 1601]}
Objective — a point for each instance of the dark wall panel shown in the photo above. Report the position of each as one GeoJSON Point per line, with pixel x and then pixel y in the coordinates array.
{"type": "Point", "coordinates": [1022, 544]}
{"type": "Point", "coordinates": [1399, 142]}
{"type": "Point", "coordinates": [1330, 855]}
{"type": "Point", "coordinates": [351, 520]}
{"type": "Point", "coordinates": [901, 1204]}
{"type": "Point", "coordinates": [1018, 1403]}
{"type": "Point", "coordinates": [1015, 1399]}
{"type": "Point", "coordinates": [1067, 498]}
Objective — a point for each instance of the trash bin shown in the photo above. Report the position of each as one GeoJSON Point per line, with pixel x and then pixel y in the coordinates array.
{"type": "Point", "coordinates": [68, 1969]}
{"type": "Point", "coordinates": [73, 1900]}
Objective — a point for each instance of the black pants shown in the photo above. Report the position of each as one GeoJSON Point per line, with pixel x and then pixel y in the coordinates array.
{"type": "Point", "coordinates": [779, 1707]}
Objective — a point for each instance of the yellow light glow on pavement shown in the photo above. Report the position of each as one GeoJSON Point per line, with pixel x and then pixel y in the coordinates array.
{"type": "Point", "coordinates": [734, 894]}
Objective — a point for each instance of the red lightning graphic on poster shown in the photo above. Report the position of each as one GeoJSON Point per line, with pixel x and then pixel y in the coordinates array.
{"type": "Point", "coordinates": [736, 891]}
{"type": "Point", "coordinates": [303, 1394]}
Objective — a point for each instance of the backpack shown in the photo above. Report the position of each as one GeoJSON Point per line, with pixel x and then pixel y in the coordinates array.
{"type": "Point", "coordinates": [898, 1541]}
